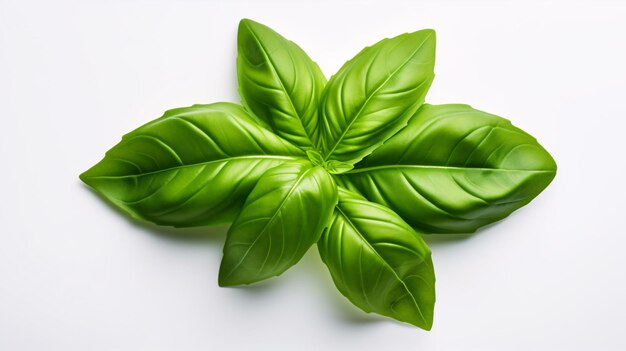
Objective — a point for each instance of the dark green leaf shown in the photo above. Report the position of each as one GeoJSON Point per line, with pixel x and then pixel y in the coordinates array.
{"type": "Point", "coordinates": [454, 169]}
{"type": "Point", "coordinates": [193, 166]}
{"type": "Point", "coordinates": [283, 216]}
{"type": "Point", "coordinates": [379, 262]}
{"type": "Point", "coordinates": [279, 82]}
{"type": "Point", "coordinates": [373, 95]}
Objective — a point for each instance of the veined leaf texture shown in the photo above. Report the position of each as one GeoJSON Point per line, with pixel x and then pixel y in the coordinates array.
{"type": "Point", "coordinates": [379, 262]}
{"type": "Point", "coordinates": [359, 165]}
{"type": "Point", "coordinates": [193, 166]}
{"type": "Point", "coordinates": [454, 169]}
{"type": "Point", "coordinates": [282, 217]}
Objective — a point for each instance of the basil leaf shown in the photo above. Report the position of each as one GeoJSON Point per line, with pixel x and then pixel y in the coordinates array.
{"type": "Point", "coordinates": [315, 158]}
{"type": "Point", "coordinates": [338, 167]}
{"type": "Point", "coordinates": [374, 94]}
{"type": "Point", "coordinates": [379, 262]}
{"type": "Point", "coordinates": [279, 82]}
{"type": "Point", "coordinates": [454, 169]}
{"type": "Point", "coordinates": [193, 166]}
{"type": "Point", "coordinates": [283, 216]}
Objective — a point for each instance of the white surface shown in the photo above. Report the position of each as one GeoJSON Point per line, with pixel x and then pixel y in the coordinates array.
{"type": "Point", "coordinates": [76, 275]}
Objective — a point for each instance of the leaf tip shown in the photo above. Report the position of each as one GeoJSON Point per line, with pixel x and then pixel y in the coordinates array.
{"type": "Point", "coordinates": [428, 326]}
{"type": "Point", "coordinates": [426, 321]}
{"type": "Point", "coordinates": [223, 281]}
{"type": "Point", "coordinates": [226, 277]}
{"type": "Point", "coordinates": [83, 177]}
{"type": "Point", "coordinates": [430, 32]}
{"type": "Point", "coordinates": [422, 35]}
{"type": "Point", "coordinates": [86, 177]}
{"type": "Point", "coordinates": [423, 320]}
{"type": "Point", "coordinates": [246, 23]}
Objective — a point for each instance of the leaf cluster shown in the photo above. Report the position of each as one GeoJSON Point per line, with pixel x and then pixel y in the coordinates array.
{"type": "Point", "coordinates": [358, 165]}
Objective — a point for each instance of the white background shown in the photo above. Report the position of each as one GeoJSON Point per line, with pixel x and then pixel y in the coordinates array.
{"type": "Point", "coordinates": [77, 275]}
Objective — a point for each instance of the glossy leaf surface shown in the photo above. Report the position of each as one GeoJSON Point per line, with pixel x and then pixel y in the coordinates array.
{"type": "Point", "coordinates": [279, 82]}
{"type": "Point", "coordinates": [356, 165]}
{"type": "Point", "coordinates": [193, 166]}
{"type": "Point", "coordinates": [379, 262]}
{"type": "Point", "coordinates": [373, 95]}
{"type": "Point", "coordinates": [454, 169]}
{"type": "Point", "coordinates": [283, 216]}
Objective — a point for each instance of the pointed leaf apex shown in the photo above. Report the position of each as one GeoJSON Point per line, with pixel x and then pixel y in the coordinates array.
{"type": "Point", "coordinates": [429, 33]}
{"type": "Point", "coordinates": [428, 326]}
{"type": "Point", "coordinates": [250, 24]}
{"type": "Point", "coordinates": [224, 282]}
{"type": "Point", "coordinates": [245, 21]}
{"type": "Point", "coordinates": [83, 177]}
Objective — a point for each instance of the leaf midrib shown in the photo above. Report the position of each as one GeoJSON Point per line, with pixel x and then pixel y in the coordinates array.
{"type": "Point", "coordinates": [228, 159]}
{"type": "Point", "coordinates": [282, 86]}
{"type": "Point", "coordinates": [419, 309]}
{"type": "Point", "coordinates": [452, 168]}
{"type": "Point", "coordinates": [270, 221]}
{"type": "Point", "coordinates": [373, 94]}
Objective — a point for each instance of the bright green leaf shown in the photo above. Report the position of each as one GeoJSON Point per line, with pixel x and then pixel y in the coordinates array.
{"type": "Point", "coordinates": [379, 262]}
{"type": "Point", "coordinates": [373, 95]}
{"type": "Point", "coordinates": [279, 82]}
{"type": "Point", "coordinates": [454, 169]}
{"type": "Point", "coordinates": [193, 166]}
{"type": "Point", "coordinates": [283, 216]}
{"type": "Point", "coordinates": [338, 167]}
{"type": "Point", "coordinates": [315, 158]}
{"type": "Point", "coordinates": [275, 165]}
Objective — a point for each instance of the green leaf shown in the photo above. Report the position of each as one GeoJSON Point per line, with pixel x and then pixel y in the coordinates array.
{"type": "Point", "coordinates": [454, 169]}
{"type": "Point", "coordinates": [279, 82]}
{"type": "Point", "coordinates": [193, 166]}
{"type": "Point", "coordinates": [338, 167]}
{"type": "Point", "coordinates": [315, 158]}
{"type": "Point", "coordinates": [379, 262]}
{"type": "Point", "coordinates": [283, 216]}
{"type": "Point", "coordinates": [374, 94]}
